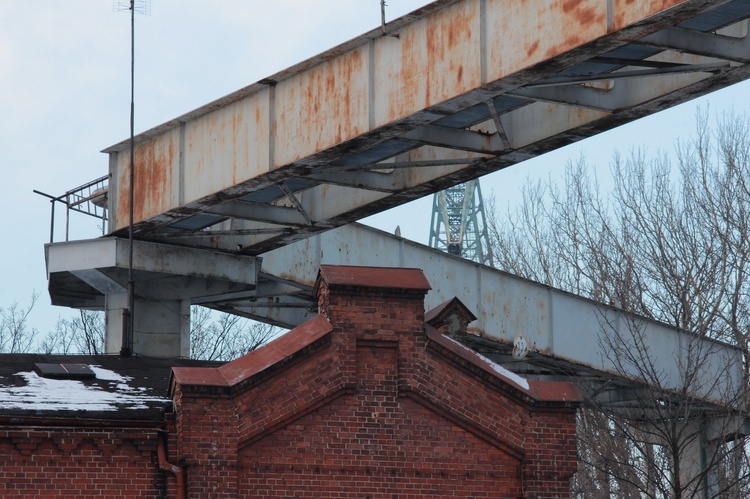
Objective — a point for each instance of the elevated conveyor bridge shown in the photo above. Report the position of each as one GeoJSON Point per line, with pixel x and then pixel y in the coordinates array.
{"type": "Point", "coordinates": [453, 91]}
{"type": "Point", "coordinates": [460, 89]}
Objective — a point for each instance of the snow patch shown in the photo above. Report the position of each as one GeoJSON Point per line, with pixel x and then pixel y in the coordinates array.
{"type": "Point", "coordinates": [45, 394]}
{"type": "Point", "coordinates": [107, 375]}
{"type": "Point", "coordinates": [522, 382]}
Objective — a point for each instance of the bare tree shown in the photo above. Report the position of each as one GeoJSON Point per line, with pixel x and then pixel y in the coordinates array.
{"type": "Point", "coordinates": [666, 437]}
{"type": "Point", "coordinates": [15, 335]}
{"type": "Point", "coordinates": [83, 334]}
{"type": "Point", "coordinates": [668, 243]}
{"type": "Point", "coordinates": [213, 336]}
{"type": "Point", "coordinates": [227, 336]}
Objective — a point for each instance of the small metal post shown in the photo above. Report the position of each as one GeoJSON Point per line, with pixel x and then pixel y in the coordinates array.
{"type": "Point", "coordinates": [52, 223]}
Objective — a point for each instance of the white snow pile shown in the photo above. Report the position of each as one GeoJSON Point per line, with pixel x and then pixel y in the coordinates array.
{"type": "Point", "coordinates": [522, 382]}
{"type": "Point", "coordinates": [45, 394]}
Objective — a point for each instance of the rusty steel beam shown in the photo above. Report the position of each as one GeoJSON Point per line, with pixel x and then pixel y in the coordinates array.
{"type": "Point", "coordinates": [468, 87]}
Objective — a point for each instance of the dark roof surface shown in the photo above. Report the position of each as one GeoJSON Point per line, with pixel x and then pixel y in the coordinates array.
{"type": "Point", "coordinates": [122, 388]}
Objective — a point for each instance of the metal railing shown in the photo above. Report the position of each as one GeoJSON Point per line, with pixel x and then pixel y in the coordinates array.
{"type": "Point", "coordinates": [89, 199]}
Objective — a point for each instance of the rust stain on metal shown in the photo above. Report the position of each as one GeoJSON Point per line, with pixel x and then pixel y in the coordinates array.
{"type": "Point", "coordinates": [400, 96]}
{"type": "Point", "coordinates": [152, 189]}
{"type": "Point", "coordinates": [448, 39]}
{"type": "Point", "coordinates": [322, 107]}
{"type": "Point", "coordinates": [585, 15]}
{"type": "Point", "coordinates": [238, 137]}
{"type": "Point", "coordinates": [520, 34]}
{"type": "Point", "coordinates": [580, 18]}
{"type": "Point", "coordinates": [532, 48]}
{"type": "Point", "coordinates": [152, 181]}
{"type": "Point", "coordinates": [432, 60]}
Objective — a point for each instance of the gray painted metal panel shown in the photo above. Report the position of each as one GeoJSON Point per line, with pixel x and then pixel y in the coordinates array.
{"type": "Point", "coordinates": [104, 253]}
{"type": "Point", "coordinates": [87, 274]}
{"type": "Point", "coordinates": [556, 323]}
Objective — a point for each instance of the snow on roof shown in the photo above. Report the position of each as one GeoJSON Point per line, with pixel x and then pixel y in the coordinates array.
{"type": "Point", "coordinates": [515, 378]}
{"type": "Point", "coordinates": [110, 392]}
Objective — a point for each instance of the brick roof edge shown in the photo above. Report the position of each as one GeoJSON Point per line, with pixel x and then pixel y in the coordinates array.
{"type": "Point", "coordinates": [243, 368]}
{"type": "Point", "coordinates": [436, 315]}
{"type": "Point", "coordinates": [373, 277]}
{"type": "Point", "coordinates": [539, 391]}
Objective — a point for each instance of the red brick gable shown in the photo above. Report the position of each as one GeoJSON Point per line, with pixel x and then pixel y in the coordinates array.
{"type": "Point", "coordinates": [446, 311]}
{"type": "Point", "coordinates": [364, 400]}
{"type": "Point", "coordinates": [375, 442]}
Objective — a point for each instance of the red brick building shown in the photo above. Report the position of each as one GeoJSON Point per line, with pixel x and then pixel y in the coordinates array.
{"type": "Point", "coordinates": [365, 400]}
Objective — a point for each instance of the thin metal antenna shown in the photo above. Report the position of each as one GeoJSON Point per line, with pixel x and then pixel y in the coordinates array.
{"type": "Point", "coordinates": [382, 16]}
{"type": "Point", "coordinates": [382, 20]}
{"type": "Point", "coordinates": [139, 6]}
{"type": "Point", "coordinates": [142, 7]}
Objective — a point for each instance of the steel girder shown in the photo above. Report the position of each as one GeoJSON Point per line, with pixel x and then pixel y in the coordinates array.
{"type": "Point", "coordinates": [468, 87]}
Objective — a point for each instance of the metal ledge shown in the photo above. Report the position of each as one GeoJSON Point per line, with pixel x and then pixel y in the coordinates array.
{"type": "Point", "coordinates": [81, 273]}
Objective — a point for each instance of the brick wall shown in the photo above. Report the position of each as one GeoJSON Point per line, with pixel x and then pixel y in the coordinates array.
{"type": "Point", "coordinates": [376, 443]}
{"type": "Point", "coordinates": [365, 400]}
{"type": "Point", "coordinates": [551, 454]}
{"type": "Point", "coordinates": [371, 407]}
{"type": "Point", "coordinates": [208, 426]}
{"type": "Point", "coordinates": [79, 463]}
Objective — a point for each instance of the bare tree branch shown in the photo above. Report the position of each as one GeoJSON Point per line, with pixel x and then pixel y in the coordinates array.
{"type": "Point", "coordinates": [670, 243]}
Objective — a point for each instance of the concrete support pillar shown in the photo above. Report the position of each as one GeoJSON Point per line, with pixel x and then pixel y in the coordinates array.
{"type": "Point", "coordinates": [161, 327]}
{"type": "Point", "coordinates": [698, 463]}
{"type": "Point", "coordinates": [115, 305]}
{"type": "Point", "coordinates": [82, 274]}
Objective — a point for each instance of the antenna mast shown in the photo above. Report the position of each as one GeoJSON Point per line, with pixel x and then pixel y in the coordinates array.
{"type": "Point", "coordinates": [142, 7]}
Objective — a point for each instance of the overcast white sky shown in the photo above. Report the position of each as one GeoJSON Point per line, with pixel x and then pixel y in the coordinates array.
{"type": "Point", "coordinates": [64, 96]}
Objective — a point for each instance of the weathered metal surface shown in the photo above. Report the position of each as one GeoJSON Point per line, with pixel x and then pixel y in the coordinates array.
{"type": "Point", "coordinates": [557, 324]}
{"type": "Point", "coordinates": [521, 34]}
{"type": "Point", "coordinates": [81, 273]}
{"type": "Point", "coordinates": [435, 58]}
{"type": "Point", "coordinates": [321, 107]}
{"type": "Point", "coordinates": [225, 147]}
{"type": "Point", "coordinates": [156, 182]}
{"type": "Point", "coordinates": [150, 257]}
{"type": "Point", "coordinates": [498, 80]}
{"type": "Point", "coordinates": [627, 12]}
